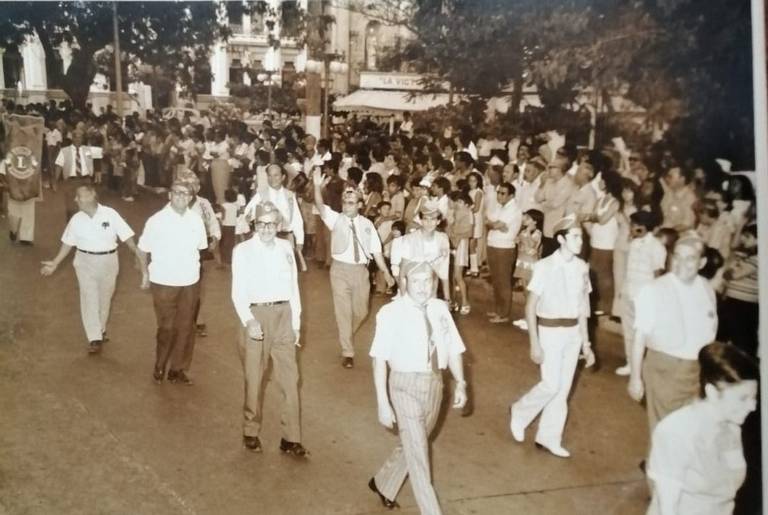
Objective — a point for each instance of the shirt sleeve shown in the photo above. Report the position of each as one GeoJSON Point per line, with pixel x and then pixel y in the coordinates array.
{"type": "Point", "coordinates": [239, 286]}
{"type": "Point", "coordinates": [146, 242]}
{"type": "Point", "coordinates": [644, 310]}
{"type": "Point", "coordinates": [455, 345]}
{"type": "Point", "coordinates": [122, 228]}
{"type": "Point", "coordinates": [297, 222]}
{"type": "Point", "coordinates": [202, 242]}
{"type": "Point", "coordinates": [60, 158]}
{"type": "Point", "coordinates": [374, 238]}
{"type": "Point", "coordinates": [671, 451]}
{"type": "Point", "coordinates": [295, 299]}
{"type": "Point", "coordinates": [537, 282]}
{"type": "Point", "coordinates": [329, 216]}
{"type": "Point", "coordinates": [659, 256]}
{"type": "Point", "coordinates": [381, 348]}
{"type": "Point", "coordinates": [69, 237]}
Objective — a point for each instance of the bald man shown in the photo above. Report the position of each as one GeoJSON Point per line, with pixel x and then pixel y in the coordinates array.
{"type": "Point", "coordinates": [94, 231]}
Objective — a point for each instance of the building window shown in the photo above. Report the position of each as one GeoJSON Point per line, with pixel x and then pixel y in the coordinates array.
{"type": "Point", "coordinates": [290, 19]}
{"type": "Point", "coordinates": [11, 69]}
{"type": "Point", "coordinates": [236, 72]}
{"type": "Point", "coordinates": [288, 74]}
{"type": "Point", "coordinates": [258, 18]}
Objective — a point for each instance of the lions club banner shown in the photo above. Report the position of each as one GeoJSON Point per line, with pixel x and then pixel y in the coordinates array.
{"type": "Point", "coordinates": [24, 146]}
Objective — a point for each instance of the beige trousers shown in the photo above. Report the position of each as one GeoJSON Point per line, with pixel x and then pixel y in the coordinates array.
{"type": "Point", "coordinates": [351, 291]}
{"type": "Point", "coordinates": [21, 218]}
{"type": "Point", "coordinates": [278, 344]}
{"type": "Point", "coordinates": [670, 383]}
{"type": "Point", "coordinates": [96, 278]}
{"type": "Point", "coordinates": [416, 399]}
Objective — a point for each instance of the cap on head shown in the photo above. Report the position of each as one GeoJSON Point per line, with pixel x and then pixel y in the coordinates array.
{"type": "Point", "coordinates": [692, 239]}
{"type": "Point", "coordinates": [189, 177]}
{"type": "Point", "coordinates": [566, 223]}
{"type": "Point", "coordinates": [408, 268]}
{"type": "Point", "coordinates": [429, 208]}
{"type": "Point", "coordinates": [178, 183]}
{"type": "Point", "coordinates": [267, 212]}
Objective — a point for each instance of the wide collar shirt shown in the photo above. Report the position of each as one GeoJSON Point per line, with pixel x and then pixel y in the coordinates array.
{"type": "Point", "coordinates": [676, 318]}
{"type": "Point", "coordinates": [562, 286]}
{"type": "Point", "coordinates": [265, 273]}
{"type": "Point", "coordinates": [512, 217]}
{"type": "Point", "coordinates": [67, 157]}
{"type": "Point", "coordinates": [97, 233]}
{"type": "Point", "coordinates": [402, 336]}
{"type": "Point", "coordinates": [174, 242]}
{"type": "Point", "coordinates": [367, 237]}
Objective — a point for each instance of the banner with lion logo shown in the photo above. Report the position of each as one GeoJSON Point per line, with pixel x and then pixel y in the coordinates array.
{"type": "Point", "coordinates": [24, 147]}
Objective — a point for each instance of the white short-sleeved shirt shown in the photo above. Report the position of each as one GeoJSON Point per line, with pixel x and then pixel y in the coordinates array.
{"type": "Point", "coordinates": [645, 256]}
{"type": "Point", "coordinates": [98, 233]}
{"type": "Point", "coordinates": [703, 456]}
{"type": "Point", "coordinates": [677, 318]}
{"type": "Point", "coordinates": [174, 242]}
{"type": "Point", "coordinates": [509, 214]}
{"type": "Point", "coordinates": [562, 286]}
{"type": "Point", "coordinates": [366, 234]}
{"type": "Point", "coordinates": [401, 335]}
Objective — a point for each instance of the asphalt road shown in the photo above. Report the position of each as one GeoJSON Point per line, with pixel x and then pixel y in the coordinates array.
{"type": "Point", "coordinates": [84, 434]}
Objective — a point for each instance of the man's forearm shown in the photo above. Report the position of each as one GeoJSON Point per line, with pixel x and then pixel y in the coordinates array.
{"type": "Point", "coordinates": [530, 318]}
{"type": "Point", "coordinates": [62, 254]}
{"type": "Point", "coordinates": [379, 258]}
{"type": "Point", "coordinates": [380, 380]}
{"type": "Point", "coordinates": [456, 365]}
{"type": "Point", "coordinates": [637, 354]}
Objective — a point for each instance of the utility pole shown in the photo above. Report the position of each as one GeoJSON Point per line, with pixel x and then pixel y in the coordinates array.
{"type": "Point", "coordinates": [315, 47]}
{"type": "Point", "coordinates": [118, 64]}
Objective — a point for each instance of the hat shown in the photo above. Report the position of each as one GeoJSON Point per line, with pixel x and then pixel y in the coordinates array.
{"type": "Point", "coordinates": [495, 161]}
{"type": "Point", "coordinates": [643, 218]}
{"type": "Point", "coordinates": [429, 208]}
{"type": "Point", "coordinates": [566, 223]}
{"type": "Point", "coordinates": [408, 267]}
{"type": "Point", "coordinates": [268, 210]}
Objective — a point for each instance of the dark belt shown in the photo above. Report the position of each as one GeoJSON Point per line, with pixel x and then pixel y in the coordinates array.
{"type": "Point", "coordinates": [558, 322]}
{"type": "Point", "coordinates": [98, 253]}
{"type": "Point", "coordinates": [264, 304]}
{"type": "Point", "coordinates": [284, 234]}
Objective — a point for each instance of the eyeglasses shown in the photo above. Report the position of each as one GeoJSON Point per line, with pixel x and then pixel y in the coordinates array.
{"type": "Point", "coordinates": [350, 202]}
{"type": "Point", "coordinates": [269, 226]}
{"type": "Point", "coordinates": [181, 193]}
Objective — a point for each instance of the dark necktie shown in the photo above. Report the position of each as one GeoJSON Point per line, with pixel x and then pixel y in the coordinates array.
{"type": "Point", "coordinates": [431, 354]}
{"type": "Point", "coordinates": [355, 248]}
{"type": "Point", "coordinates": [78, 165]}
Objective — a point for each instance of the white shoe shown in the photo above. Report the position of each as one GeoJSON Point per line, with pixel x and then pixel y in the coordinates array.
{"type": "Point", "coordinates": [128, 199]}
{"type": "Point", "coordinates": [623, 371]}
{"type": "Point", "coordinates": [521, 324]}
{"type": "Point", "coordinates": [518, 433]}
{"type": "Point", "coordinates": [556, 450]}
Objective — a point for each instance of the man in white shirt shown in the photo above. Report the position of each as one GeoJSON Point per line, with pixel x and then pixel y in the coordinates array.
{"type": "Point", "coordinates": [291, 223]}
{"type": "Point", "coordinates": [94, 232]}
{"type": "Point", "coordinates": [675, 316]}
{"type": "Point", "coordinates": [354, 242]}
{"type": "Point", "coordinates": [416, 338]}
{"type": "Point", "coordinates": [503, 224]}
{"type": "Point", "coordinates": [528, 183]}
{"type": "Point", "coordinates": [265, 293]}
{"type": "Point", "coordinates": [75, 164]}
{"type": "Point", "coordinates": [173, 238]}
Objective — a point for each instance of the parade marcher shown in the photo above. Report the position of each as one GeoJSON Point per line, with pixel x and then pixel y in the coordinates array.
{"type": "Point", "coordinates": [697, 463]}
{"type": "Point", "coordinates": [75, 164]}
{"type": "Point", "coordinates": [675, 316]}
{"type": "Point", "coordinates": [354, 242]}
{"type": "Point", "coordinates": [415, 338]}
{"type": "Point", "coordinates": [556, 314]}
{"type": "Point", "coordinates": [94, 232]}
{"type": "Point", "coordinates": [173, 238]}
{"type": "Point", "coordinates": [265, 292]}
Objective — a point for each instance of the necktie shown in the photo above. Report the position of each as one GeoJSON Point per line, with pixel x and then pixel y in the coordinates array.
{"type": "Point", "coordinates": [354, 242]}
{"type": "Point", "coordinates": [431, 358]}
{"type": "Point", "coordinates": [78, 166]}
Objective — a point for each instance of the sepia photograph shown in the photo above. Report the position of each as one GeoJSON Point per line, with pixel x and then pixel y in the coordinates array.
{"type": "Point", "coordinates": [356, 257]}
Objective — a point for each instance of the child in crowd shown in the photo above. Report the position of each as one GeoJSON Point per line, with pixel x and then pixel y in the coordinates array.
{"type": "Point", "coordinates": [528, 251]}
{"type": "Point", "coordinates": [739, 310]}
{"type": "Point", "coordinates": [714, 229]}
{"type": "Point", "coordinates": [398, 230]}
{"type": "Point", "coordinates": [383, 224]}
{"type": "Point", "coordinates": [646, 260]}
{"type": "Point", "coordinates": [229, 212]}
{"type": "Point", "coordinates": [476, 254]}
{"type": "Point", "coordinates": [460, 226]}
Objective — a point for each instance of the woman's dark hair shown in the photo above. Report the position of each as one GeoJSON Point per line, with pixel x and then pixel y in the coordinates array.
{"type": "Point", "coordinates": [740, 188]}
{"type": "Point", "coordinates": [725, 363]}
{"type": "Point", "coordinates": [537, 217]}
{"type": "Point", "coordinates": [714, 261]}
{"type": "Point", "coordinates": [614, 184]}
{"type": "Point", "coordinates": [479, 179]}
{"type": "Point", "coordinates": [373, 182]}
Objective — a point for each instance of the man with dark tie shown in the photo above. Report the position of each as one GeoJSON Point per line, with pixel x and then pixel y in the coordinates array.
{"type": "Point", "coordinates": [354, 242]}
{"type": "Point", "coordinates": [75, 165]}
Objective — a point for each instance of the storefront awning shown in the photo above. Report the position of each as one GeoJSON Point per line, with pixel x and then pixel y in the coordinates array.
{"type": "Point", "coordinates": [374, 102]}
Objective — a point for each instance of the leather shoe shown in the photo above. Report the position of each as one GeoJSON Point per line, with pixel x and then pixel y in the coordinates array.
{"type": "Point", "coordinates": [94, 347]}
{"type": "Point", "coordinates": [252, 443]}
{"type": "Point", "coordinates": [518, 433]}
{"type": "Point", "coordinates": [556, 450]}
{"type": "Point", "coordinates": [157, 375]}
{"type": "Point", "coordinates": [178, 376]}
{"type": "Point", "coordinates": [293, 448]}
{"type": "Point", "coordinates": [388, 504]}
{"type": "Point", "coordinates": [347, 362]}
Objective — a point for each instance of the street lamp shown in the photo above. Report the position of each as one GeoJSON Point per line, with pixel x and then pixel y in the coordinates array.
{"type": "Point", "coordinates": [265, 77]}
{"type": "Point", "coordinates": [332, 63]}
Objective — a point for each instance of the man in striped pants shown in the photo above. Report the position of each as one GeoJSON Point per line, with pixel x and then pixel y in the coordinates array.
{"type": "Point", "coordinates": [417, 338]}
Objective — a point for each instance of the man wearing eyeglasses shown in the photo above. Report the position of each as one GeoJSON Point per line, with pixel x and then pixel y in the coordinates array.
{"type": "Point", "coordinates": [354, 242]}
{"type": "Point", "coordinates": [503, 225]}
{"type": "Point", "coordinates": [265, 292]}
{"type": "Point", "coordinates": [173, 238]}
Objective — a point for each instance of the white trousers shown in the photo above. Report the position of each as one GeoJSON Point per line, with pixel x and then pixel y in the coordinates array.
{"type": "Point", "coordinates": [21, 218]}
{"type": "Point", "coordinates": [561, 347]}
{"type": "Point", "coordinates": [96, 277]}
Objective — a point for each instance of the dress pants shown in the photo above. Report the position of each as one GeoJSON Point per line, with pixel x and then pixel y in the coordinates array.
{"type": "Point", "coordinates": [501, 264]}
{"type": "Point", "coordinates": [175, 312]}
{"type": "Point", "coordinates": [21, 218]}
{"type": "Point", "coordinates": [670, 383]}
{"type": "Point", "coordinates": [96, 277]}
{"type": "Point", "coordinates": [278, 344]}
{"type": "Point", "coordinates": [351, 289]}
{"type": "Point", "coordinates": [561, 347]}
{"type": "Point", "coordinates": [416, 399]}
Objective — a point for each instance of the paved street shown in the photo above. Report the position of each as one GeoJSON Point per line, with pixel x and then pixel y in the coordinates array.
{"type": "Point", "coordinates": [84, 434]}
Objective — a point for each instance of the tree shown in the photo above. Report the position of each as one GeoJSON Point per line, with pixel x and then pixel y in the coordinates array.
{"type": "Point", "coordinates": [174, 35]}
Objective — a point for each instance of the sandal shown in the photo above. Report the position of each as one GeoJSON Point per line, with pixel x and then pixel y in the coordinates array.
{"type": "Point", "coordinates": [465, 309]}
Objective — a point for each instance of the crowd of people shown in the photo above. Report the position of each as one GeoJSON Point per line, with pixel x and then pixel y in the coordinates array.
{"type": "Point", "coordinates": [663, 245]}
